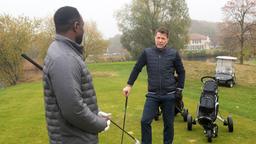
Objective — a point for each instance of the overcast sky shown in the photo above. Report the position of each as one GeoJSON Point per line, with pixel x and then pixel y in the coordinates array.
{"type": "Point", "coordinates": [102, 11]}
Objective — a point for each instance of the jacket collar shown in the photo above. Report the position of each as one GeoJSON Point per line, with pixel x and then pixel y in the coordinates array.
{"type": "Point", "coordinates": [75, 46]}
{"type": "Point", "coordinates": [160, 49]}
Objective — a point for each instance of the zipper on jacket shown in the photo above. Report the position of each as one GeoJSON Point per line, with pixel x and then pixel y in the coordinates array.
{"type": "Point", "coordinates": [160, 82]}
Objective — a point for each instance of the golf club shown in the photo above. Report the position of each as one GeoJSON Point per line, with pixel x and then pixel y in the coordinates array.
{"type": "Point", "coordinates": [125, 108]}
{"type": "Point", "coordinates": [41, 68]}
{"type": "Point", "coordinates": [33, 62]}
{"type": "Point", "coordinates": [136, 140]}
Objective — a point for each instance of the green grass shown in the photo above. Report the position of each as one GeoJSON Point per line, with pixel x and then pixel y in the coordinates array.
{"type": "Point", "coordinates": [22, 109]}
{"type": "Point", "coordinates": [251, 62]}
{"type": "Point", "coordinates": [22, 115]}
{"type": "Point", "coordinates": [254, 62]}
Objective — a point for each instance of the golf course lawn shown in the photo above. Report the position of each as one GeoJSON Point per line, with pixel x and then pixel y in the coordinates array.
{"type": "Point", "coordinates": [22, 119]}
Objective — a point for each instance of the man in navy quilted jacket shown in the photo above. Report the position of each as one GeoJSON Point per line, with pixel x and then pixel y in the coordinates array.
{"type": "Point", "coordinates": [163, 89]}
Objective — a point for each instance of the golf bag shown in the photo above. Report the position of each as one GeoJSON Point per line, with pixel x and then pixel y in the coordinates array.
{"type": "Point", "coordinates": [208, 107]}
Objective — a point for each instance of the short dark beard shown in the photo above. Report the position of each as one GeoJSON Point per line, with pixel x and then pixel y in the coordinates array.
{"type": "Point", "coordinates": [79, 39]}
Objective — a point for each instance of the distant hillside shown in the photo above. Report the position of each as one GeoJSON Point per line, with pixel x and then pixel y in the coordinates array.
{"type": "Point", "coordinates": [204, 27]}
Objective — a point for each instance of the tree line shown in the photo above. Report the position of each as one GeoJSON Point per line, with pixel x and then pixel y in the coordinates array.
{"type": "Point", "coordinates": [236, 34]}
{"type": "Point", "coordinates": [137, 21]}
{"type": "Point", "coordinates": [33, 36]}
{"type": "Point", "coordinates": [238, 31]}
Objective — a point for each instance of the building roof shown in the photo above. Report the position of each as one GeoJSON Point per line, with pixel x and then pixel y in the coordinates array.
{"type": "Point", "coordinates": [195, 36]}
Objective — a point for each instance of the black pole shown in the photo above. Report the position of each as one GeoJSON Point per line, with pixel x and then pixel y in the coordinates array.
{"type": "Point", "coordinates": [125, 108]}
{"type": "Point", "coordinates": [123, 130]}
{"type": "Point", "coordinates": [32, 61]}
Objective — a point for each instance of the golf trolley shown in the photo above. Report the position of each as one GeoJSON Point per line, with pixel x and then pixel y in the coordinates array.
{"type": "Point", "coordinates": [207, 111]}
{"type": "Point", "coordinates": [225, 71]}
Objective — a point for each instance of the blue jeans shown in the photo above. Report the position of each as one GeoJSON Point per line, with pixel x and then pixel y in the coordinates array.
{"type": "Point", "coordinates": [167, 103]}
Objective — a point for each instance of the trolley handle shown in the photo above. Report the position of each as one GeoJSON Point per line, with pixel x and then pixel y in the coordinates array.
{"type": "Point", "coordinates": [207, 77]}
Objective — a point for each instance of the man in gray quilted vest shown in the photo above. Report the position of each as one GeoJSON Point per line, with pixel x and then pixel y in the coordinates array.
{"type": "Point", "coordinates": [72, 112]}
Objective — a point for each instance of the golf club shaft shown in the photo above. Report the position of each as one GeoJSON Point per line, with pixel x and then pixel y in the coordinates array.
{"type": "Point", "coordinates": [41, 68]}
{"type": "Point", "coordinates": [33, 62]}
{"type": "Point", "coordinates": [123, 130]}
{"type": "Point", "coordinates": [125, 108]}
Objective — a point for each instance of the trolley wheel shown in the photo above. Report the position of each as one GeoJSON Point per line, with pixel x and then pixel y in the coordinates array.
{"type": "Point", "coordinates": [230, 124]}
{"type": "Point", "coordinates": [215, 131]}
{"type": "Point", "coordinates": [185, 115]}
{"type": "Point", "coordinates": [231, 83]}
{"type": "Point", "coordinates": [189, 122]}
{"type": "Point", "coordinates": [225, 122]}
{"type": "Point", "coordinates": [209, 135]}
{"type": "Point", "coordinates": [156, 118]}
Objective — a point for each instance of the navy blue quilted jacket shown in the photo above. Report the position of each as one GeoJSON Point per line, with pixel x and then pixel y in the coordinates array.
{"type": "Point", "coordinates": [161, 67]}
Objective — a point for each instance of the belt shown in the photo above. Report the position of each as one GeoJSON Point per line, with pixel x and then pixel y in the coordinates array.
{"type": "Point", "coordinates": [162, 93]}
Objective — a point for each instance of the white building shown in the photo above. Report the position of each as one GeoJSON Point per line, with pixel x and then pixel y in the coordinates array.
{"type": "Point", "coordinates": [198, 42]}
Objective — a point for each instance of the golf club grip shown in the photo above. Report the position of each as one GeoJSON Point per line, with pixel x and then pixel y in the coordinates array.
{"type": "Point", "coordinates": [123, 130]}
{"type": "Point", "coordinates": [33, 62]}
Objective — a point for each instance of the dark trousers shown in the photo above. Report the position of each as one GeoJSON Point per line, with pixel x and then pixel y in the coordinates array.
{"type": "Point", "coordinates": [167, 103]}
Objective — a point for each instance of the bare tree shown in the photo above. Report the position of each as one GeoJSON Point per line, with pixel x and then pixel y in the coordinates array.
{"type": "Point", "coordinates": [15, 37]}
{"type": "Point", "coordinates": [240, 15]}
{"type": "Point", "coordinates": [43, 38]}
{"type": "Point", "coordinates": [228, 39]}
{"type": "Point", "coordinates": [93, 41]}
{"type": "Point", "coordinates": [253, 40]}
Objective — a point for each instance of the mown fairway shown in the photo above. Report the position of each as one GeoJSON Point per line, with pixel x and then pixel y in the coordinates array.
{"type": "Point", "coordinates": [22, 118]}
